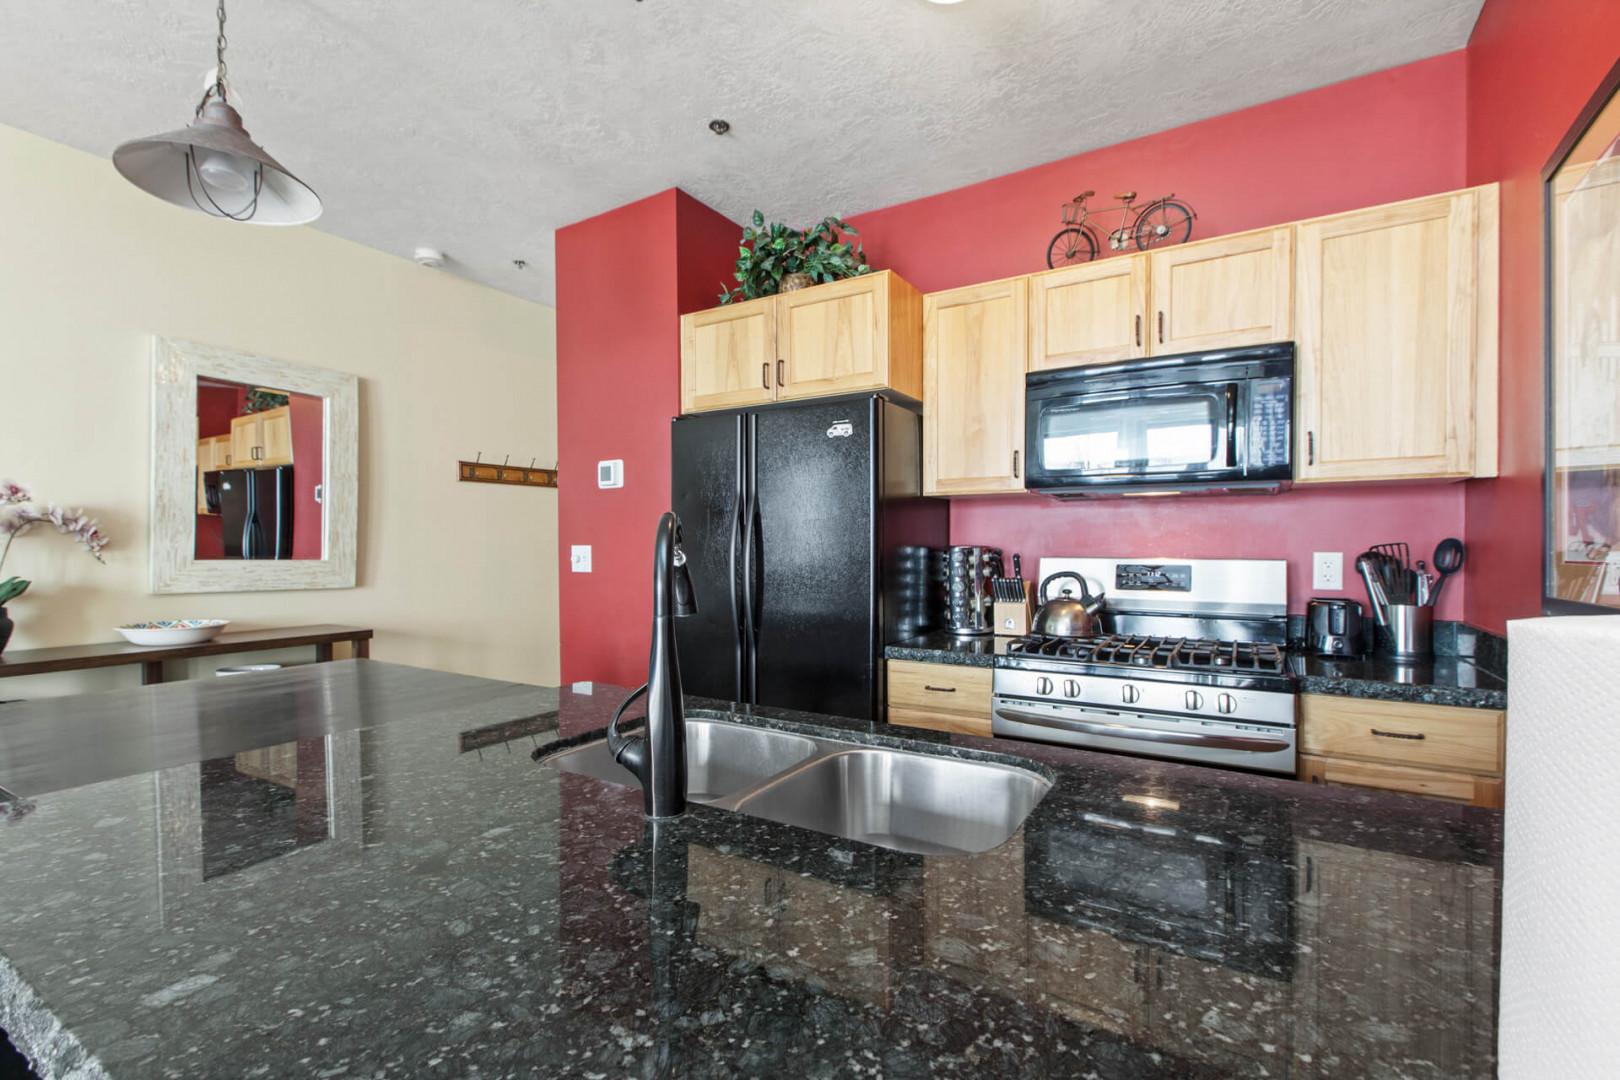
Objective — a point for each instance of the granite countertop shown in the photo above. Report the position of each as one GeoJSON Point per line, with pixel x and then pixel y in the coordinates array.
{"type": "Point", "coordinates": [357, 869]}
{"type": "Point", "coordinates": [1445, 680]}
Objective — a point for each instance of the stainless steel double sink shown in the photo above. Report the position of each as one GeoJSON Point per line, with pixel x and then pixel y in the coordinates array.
{"type": "Point", "coordinates": [920, 803]}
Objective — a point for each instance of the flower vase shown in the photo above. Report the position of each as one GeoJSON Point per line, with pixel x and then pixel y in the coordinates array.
{"type": "Point", "coordinates": [6, 626]}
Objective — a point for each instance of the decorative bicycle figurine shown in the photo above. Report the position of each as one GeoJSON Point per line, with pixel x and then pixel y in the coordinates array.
{"type": "Point", "coordinates": [1162, 221]}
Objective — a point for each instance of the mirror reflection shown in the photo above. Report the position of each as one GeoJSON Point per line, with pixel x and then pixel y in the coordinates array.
{"type": "Point", "coordinates": [259, 472]}
{"type": "Point", "coordinates": [1584, 474]}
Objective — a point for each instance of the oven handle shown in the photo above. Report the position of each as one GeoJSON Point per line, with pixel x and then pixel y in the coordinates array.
{"type": "Point", "coordinates": [1140, 734]}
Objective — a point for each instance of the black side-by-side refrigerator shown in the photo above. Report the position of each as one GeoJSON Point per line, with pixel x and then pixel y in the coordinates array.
{"type": "Point", "coordinates": [808, 541]}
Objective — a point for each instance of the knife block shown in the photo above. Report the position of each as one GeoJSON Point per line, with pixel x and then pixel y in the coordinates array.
{"type": "Point", "coordinates": [1013, 617]}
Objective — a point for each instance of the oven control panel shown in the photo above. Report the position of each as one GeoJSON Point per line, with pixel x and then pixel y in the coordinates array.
{"type": "Point", "coordinates": [1148, 577]}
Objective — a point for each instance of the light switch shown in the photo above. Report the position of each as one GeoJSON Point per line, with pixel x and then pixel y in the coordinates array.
{"type": "Point", "coordinates": [1327, 570]}
{"type": "Point", "coordinates": [579, 558]}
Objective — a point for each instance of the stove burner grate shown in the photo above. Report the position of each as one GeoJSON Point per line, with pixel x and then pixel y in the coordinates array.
{"type": "Point", "coordinates": [1171, 653]}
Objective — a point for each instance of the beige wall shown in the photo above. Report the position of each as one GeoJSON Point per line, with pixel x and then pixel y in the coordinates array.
{"type": "Point", "coordinates": [455, 576]}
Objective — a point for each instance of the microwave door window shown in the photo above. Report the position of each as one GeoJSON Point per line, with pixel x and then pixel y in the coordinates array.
{"type": "Point", "coordinates": [1135, 434]}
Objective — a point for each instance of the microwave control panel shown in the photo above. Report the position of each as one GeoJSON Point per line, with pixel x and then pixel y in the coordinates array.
{"type": "Point", "coordinates": [1269, 415]}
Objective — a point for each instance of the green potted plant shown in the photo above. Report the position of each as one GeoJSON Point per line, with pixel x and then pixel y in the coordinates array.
{"type": "Point", "coordinates": [779, 258]}
{"type": "Point", "coordinates": [17, 516]}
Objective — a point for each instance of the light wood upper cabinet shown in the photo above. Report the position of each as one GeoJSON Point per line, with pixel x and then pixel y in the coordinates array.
{"type": "Point", "coordinates": [213, 453]}
{"type": "Point", "coordinates": [857, 334]}
{"type": "Point", "coordinates": [1396, 370]}
{"type": "Point", "coordinates": [862, 333]}
{"type": "Point", "coordinates": [728, 356]}
{"type": "Point", "coordinates": [975, 345]}
{"type": "Point", "coordinates": [262, 439]}
{"type": "Point", "coordinates": [1094, 313]}
{"type": "Point", "coordinates": [1233, 290]}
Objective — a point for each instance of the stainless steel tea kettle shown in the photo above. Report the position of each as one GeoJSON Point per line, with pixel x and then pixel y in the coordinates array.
{"type": "Point", "coordinates": [1063, 615]}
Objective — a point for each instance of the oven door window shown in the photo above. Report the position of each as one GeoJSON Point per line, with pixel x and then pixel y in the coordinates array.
{"type": "Point", "coordinates": [1176, 430]}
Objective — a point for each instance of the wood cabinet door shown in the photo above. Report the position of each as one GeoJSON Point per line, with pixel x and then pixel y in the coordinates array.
{"type": "Point", "coordinates": [275, 436]}
{"type": "Point", "coordinates": [1387, 332]}
{"type": "Point", "coordinates": [728, 356]}
{"type": "Point", "coordinates": [974, 351]}
{"type": "Point", "coordinates": [244, 440]}
{"type": "Point", "coordinates": [1234, 290]}
{"type": "Point", "coordinates": [1095, 313]}
{"type": "Point", "coordinates": [834, 339]}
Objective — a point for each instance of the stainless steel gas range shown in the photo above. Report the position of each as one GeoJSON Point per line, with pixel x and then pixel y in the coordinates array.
{"type": "Point", "coordinates": [1193, 666]}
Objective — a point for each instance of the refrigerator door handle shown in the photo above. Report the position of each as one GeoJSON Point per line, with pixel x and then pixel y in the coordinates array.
{"type": "Point", "coordinates": [750, 575]}
{"type": "Point", "coordinates": [739, 505]}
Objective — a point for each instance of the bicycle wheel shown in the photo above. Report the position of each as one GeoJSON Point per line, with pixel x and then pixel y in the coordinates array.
{"type": "Point", "coordinates": [1075, 245]}
{"type": "Point", "coordinates": [1165, 222]}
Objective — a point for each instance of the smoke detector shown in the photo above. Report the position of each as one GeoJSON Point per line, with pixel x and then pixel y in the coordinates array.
{"type": "Point", "coordinates": [429, 257]}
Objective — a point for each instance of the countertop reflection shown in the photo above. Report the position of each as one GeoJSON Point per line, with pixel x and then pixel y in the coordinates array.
{"type": "Point", "coordinates": [446, 904]}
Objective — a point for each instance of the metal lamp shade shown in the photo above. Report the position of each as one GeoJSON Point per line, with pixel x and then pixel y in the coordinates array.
{"type": "Point", "coordinates": [162, 165]}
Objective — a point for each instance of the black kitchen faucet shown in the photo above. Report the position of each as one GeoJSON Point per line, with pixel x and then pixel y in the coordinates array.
{"type": "Point", "coordinates": [658, 757]}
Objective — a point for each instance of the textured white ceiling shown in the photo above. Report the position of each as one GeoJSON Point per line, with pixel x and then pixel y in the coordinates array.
{"type": "Point", "coordinates": [480, 126]}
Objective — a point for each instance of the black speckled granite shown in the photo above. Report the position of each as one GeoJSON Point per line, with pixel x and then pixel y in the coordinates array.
{"type": "Point", "coordinates": [942, 647]}
{"type": "Point", "coordinates": [420, 898]}
{"type": "Point", "coordinates": [1445, 680]}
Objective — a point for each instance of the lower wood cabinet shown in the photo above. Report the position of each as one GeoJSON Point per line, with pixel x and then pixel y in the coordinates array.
{"type": "Point", "coordinates": [1437, 750]}
{"type": "Point", "coordinates": [944, 697]}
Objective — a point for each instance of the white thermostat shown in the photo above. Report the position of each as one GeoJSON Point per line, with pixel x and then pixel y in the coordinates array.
{"type": "Point", "coordinates": [610, 474]}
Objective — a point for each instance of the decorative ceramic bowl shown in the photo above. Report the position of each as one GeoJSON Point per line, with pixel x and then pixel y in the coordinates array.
{"type": "Point", "coordinates": [173, 631]}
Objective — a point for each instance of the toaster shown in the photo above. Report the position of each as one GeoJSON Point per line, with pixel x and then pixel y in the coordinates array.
{"type": "Point", "coordinates": [1334, 627]}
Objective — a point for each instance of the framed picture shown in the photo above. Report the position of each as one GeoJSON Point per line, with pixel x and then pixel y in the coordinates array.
{"type": "Point", "coordinates": [1582, 318]}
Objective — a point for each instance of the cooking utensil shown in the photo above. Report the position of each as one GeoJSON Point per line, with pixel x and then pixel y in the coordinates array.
{"type": "Point", "coordinates": [1367, 565]}
{"type": "Point", "coordinates": [1449, 556]}
{"type": "Point", "coordinates": [1063, 615]}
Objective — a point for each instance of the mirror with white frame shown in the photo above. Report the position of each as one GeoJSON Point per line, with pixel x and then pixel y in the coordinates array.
{"type": "Point", "coordinates": [254, 478]}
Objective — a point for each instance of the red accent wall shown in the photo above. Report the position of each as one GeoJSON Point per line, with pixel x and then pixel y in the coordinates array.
{"type": "Point", "coordinates": [309, 445]}
{"type": "Point", "coordinates": [1391, 135]}
{"type": "Point", "coordinates": [1532, 65]}
{"type": "Point", "coordinates": [623, 280]}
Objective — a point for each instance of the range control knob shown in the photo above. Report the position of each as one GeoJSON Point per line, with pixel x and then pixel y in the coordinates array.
{"type": "Point", "coordinates": [1195, 700]}
{"type": "Point", "coordinates": [1071, 688]}
{"type": "Point", "coordinates": [1130, 693]}
{"type": "Point", "coordinates": [1043, 685]}
{"type": "Point", "coordinates": [1226, 703]}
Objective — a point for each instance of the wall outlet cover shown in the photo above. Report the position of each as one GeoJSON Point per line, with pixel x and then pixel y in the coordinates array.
{"type": "Point", "coordinates": [1327, 570]}
{"type": "Point", "coordinates": [579, 558]}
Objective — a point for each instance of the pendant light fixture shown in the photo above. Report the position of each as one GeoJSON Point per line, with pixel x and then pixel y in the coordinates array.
{"type": "Point", "coordinates": [214, 166]}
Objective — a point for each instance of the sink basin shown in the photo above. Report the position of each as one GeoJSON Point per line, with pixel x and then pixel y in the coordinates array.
{"type": "Point", "coordinates": [721, 759]}
{"type": "Point", "coordinates": [908, 802]}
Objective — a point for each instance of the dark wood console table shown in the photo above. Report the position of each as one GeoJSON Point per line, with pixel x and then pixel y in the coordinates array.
{"type": "Point", "coordinates": [151, 657]}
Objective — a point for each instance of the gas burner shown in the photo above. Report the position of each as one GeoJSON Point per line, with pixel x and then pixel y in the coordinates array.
{"type": "Point", "coordinates": [1168, 653]}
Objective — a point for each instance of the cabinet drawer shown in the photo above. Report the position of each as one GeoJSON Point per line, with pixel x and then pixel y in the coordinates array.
{"type": "Point", "coordinates": [1457, 786]}
{"type": "Point", "coordinates": [948, 697]}
{"type": "Point", "coordinates": [1398, 733]}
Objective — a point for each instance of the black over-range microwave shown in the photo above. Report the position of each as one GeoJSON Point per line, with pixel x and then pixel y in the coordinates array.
{"type": "Point", "coordinates": [1197, 422]}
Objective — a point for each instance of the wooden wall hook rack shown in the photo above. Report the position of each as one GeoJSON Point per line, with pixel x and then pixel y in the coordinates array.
{"type": "Point", "coordinates": [479, 471]}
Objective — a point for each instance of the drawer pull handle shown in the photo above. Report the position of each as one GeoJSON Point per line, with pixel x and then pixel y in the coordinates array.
{"type": "Point", "coordinates": [1398, 734]}
{"type": "Point", "coordinates": [940, 689]}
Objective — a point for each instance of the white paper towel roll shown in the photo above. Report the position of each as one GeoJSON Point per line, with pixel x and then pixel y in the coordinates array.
{"type": "Point", "coordinates": [1560, 1009]}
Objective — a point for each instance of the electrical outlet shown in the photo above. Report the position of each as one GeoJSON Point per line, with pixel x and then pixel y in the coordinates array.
{"type": "Point", "coordinates": [1327, 570]}
{"type": "Point", "coordinates": [579, 558]}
